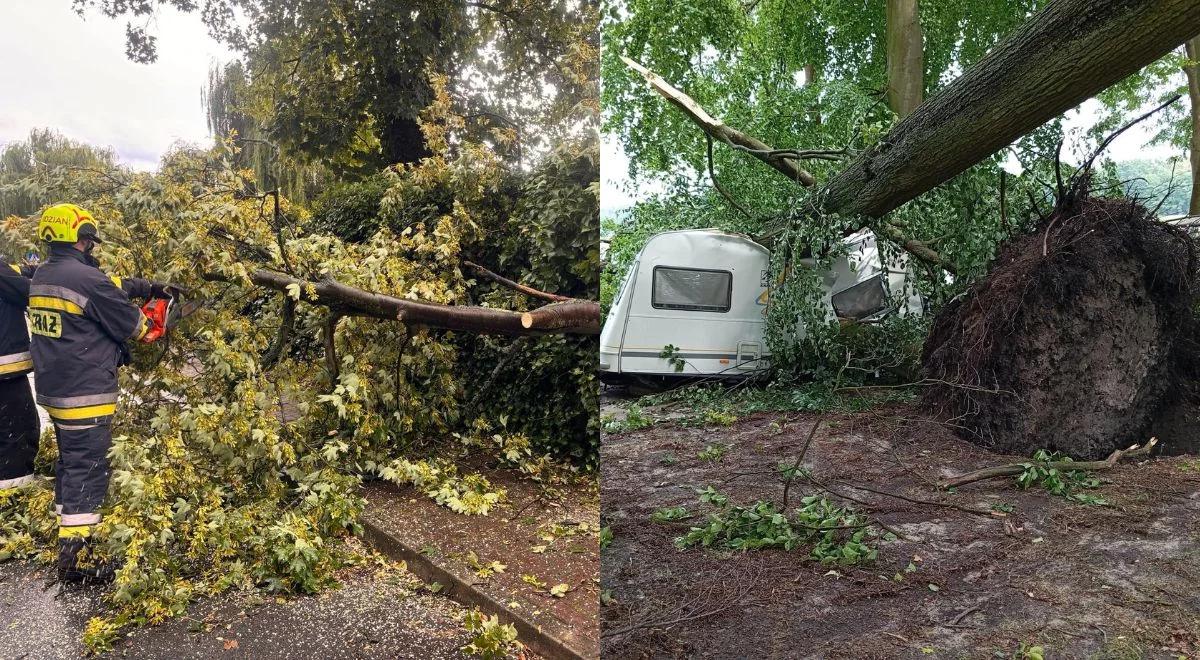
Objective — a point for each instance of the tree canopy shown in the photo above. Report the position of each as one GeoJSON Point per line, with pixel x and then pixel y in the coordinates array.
{"type": "Point", "coordinates": [343, 82]}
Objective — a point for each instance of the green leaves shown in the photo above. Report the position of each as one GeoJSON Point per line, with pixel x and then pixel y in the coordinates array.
{"type": "Point", "coordinates": [1057, 481]}
{"type": "Point", "coordinates": [834, 535]}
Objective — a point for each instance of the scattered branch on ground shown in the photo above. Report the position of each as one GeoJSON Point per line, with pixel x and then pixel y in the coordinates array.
{"type": "Point", "coordinates": [1013, 469]}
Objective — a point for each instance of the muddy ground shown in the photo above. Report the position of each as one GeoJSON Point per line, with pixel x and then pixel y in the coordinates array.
{"type": "Point", "coordinates": [1081, 581]}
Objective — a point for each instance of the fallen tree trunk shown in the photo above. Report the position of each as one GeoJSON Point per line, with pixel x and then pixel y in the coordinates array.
{"type": "Point", "coordinates": [1013, 469]}
{"type": "Point", "coordinates": [1063, 55]}
{"type": "Point", "coordinates": [567, 317]}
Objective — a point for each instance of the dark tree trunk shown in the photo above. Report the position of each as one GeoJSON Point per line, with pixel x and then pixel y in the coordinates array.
{"type": "Point", "coordinates": [905, 57]}
{"type": "Point", "coordinates": [1060, 57]}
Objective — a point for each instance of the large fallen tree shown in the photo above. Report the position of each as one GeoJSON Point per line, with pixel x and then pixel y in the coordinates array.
{"type": "Point", "coordinates": [1061, 56]}
{"type": "Point", "coordinates": [1069, 341]}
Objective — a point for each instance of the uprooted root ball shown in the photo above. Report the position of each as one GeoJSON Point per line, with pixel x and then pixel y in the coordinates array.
{"type": "Point", "coordinates": [1071, 340]}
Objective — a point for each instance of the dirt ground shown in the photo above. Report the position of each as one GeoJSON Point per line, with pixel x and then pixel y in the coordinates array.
{"type": "Point", "coordinates": [1080, 581]}
{"type": "Point", "coordinates": [542, 539]}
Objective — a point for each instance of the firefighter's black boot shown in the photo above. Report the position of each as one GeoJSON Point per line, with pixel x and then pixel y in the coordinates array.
{"type": "Point", "coordinates": [76, 565]}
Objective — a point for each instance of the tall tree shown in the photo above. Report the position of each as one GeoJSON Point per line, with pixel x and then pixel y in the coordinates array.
{"type": "Point", "coordinates": [905, 57]}
{"type": "Point", "coordinates": [1192, 69]}
{"type": "Point", "coordinates": [348, 79]}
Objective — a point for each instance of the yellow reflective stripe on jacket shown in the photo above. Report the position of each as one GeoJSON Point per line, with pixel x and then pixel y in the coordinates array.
{"type": "Point", "coordinates": [116, 280]}
{"type": "Point", "coordinates": [143, 327]}
{"type": "Point", "coordinates": [86, 412]}
{"type": "Point", "coordinates": [74, 531]}
{"type": "Point", "coordinates": [50, 302]}
{"type": "Point", "coordinates": [16, 268]}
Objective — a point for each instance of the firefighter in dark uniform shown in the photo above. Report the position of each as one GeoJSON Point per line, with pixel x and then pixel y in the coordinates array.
{"type": "Point", "coordinates": [19, 427]}
{"type": "Point", "coordinates": [81, 319]}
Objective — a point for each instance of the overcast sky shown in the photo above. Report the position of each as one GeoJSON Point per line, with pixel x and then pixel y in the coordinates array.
{"type": "Point", "coordinates": [68, 73]}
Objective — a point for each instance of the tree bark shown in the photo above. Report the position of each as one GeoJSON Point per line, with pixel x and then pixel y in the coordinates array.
{"type": "Point", "coordinates": [569, 317]}
{"type": "Point", "coordinates": [1061, 56]}
{"type": "Point", "coordinates": [1192, 69]}
{"type": "Point", "coordinates": [905, 57]}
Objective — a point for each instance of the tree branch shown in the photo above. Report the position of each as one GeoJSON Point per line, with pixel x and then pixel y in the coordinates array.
{"type": "Point", "coordinates": [527, 290]}
{"type": "Point", "coordinates": [567, 317]}
{"type": "Point", "coordinates": [779, 159]}
{"type": "Point", "coordinates": [782, 162]}
{"type": "Point", "coordinates": [1012, 469]}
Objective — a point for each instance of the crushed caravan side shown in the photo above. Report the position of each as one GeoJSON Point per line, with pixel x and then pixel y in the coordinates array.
{"type": "Point", "coordinates": [704, 293]}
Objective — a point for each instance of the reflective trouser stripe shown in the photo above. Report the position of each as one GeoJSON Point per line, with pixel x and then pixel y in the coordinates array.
{"type": "Point", "coordinates": [18, 482]}
{"type": "Point", "coordinates": [76, 408]}
{"type": "Point", "coordinates": [77, 519]}
{"type": "Point", "coordinates": [74, 531]}
{"type": "Point", "coordinates": [82, 473]}
{"type": "Point", "coordinates": [77, 401]}
{"type": "Point", "coordinates": [12, 363]}
{"type": "Point", "coordinates": [77, 427]}
{"type": "Point", "coordinates": [86, 412]}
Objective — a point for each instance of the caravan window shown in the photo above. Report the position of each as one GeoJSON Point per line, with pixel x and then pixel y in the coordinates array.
{"type": "Point", "coordinates": [692, 289]}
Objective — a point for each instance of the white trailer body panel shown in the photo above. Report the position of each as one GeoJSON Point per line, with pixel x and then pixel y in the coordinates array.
{"type": "Point", "coordinates": [705, 292]}
{"type": "Point", "coordinates": [702, 291]}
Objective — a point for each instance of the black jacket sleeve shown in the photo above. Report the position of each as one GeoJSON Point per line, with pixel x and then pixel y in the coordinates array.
{"type": "Point", "coordinates": [134, 287]}
{"type": "Point", "coordinates": [109, 307]}
{"type": "Point", "coordinates": [14, 285]}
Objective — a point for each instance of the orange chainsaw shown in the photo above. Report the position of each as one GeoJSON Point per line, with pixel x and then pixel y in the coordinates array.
{"type": "Point", "coordinates": [162, 314]}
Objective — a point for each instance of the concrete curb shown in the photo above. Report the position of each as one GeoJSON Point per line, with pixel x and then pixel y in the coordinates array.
{"type": "Point", "coordinates": [529, 633]}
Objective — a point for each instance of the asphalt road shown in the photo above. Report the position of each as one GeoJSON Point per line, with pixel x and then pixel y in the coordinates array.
{"type": "Point", "coordinates": [373, 615]}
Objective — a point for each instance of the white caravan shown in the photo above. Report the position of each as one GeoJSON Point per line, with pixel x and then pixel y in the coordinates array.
{"type": "Point", "coordinates": [703, 292]}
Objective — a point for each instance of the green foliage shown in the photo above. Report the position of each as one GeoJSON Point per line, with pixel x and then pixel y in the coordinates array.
{"type": "Point", "coordinates": [833, 535]}
{"type": "Point", "coordinates": [350, 211]}
{"type": "Point", "coordinates": [671, 514]}
{"type": "Point", "coordinates": [634, 420]}
{"type": "Point", "coordinates": [344, 83]}
{"type": "Point", "coordinates": [670, 353]}
{"type": "Point", "coordinates": [1029, 652]}
{"type": "Point", "coordinates": [1154, 180]}
{"type": "Point", "coordinates": [713, 453]}
{"type": "Point", "coordinates": [714, 404]}
{"type": "Point", "coordinates": [438, 479]}
{"type": "Point", "coordinates": [492, 640]}
{"type": "Point", "coordinates": [1057, 481]}
{"type": "Point", "coordinates": [804, 75]}
{"type": "Point", "coordinates": [606, 537]}
{"type": "Point", "coordinates": [44, 149]}
{"type": "Point", "coordinates": [248, 475]}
